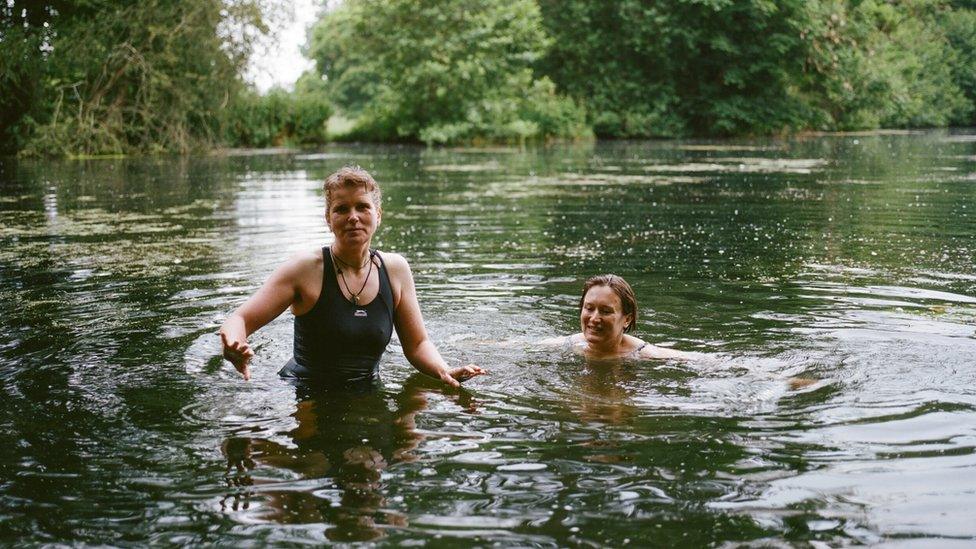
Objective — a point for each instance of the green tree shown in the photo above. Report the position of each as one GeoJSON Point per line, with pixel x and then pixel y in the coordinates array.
{"type": "Point", "coordinates": [100, 76]}
{"type": "Point", "coordinates": [720, 67]}
{"type": "Point", "coordinates": [277, 118]}
{"type": "Point", "coordinates": [960, 29]}
{"type": "Point", "coordinates": [875, 64]}
{"type": "Point", "coordinates": [442, 71]}
{"type": "Point", "coordinates": [675, 67]}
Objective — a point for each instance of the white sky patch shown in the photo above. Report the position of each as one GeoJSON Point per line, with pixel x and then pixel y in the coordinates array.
{"type": "Point", "coordinates": [280, 62]}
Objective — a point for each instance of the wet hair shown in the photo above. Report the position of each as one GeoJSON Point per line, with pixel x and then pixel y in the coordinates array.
{"type": "Point", "coordinates": [620, 287]}
{"type": "Point", "coordinates": [352, 176]}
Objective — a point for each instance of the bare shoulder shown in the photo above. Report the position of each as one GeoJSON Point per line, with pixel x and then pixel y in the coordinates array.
{"type": "Point", "coordinates": [635, 343]}
{"type": "Point", "coordinates": [555, 341]}
{"type": "Point", "coordinates": [394, 260]}
{"type": "Point", "coordinates": [307, 258]}
{"type": "Point", "coordinates": [396, 266]}
{"type": "Point", "coordinates": [656, 352]}
{"type": "Point", "coordinates": [398, 270]}
{"type": "Point", "coordinates": [302, 264]}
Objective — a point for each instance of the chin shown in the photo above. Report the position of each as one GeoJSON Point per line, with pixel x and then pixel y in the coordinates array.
{"type": "Point", "coordinates": [591, 337]}
{"type": "Point", "coordinates": [356, 238]}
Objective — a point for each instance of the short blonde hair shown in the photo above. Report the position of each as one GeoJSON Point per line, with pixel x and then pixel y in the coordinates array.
{"type": "Point", "coordinates": [352, 176]}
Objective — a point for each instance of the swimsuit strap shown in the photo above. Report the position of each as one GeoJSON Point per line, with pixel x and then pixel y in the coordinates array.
{"type": "Point", "coordinates": [386, 288]}
{"type": "Point", "coordinates": [637, 351]}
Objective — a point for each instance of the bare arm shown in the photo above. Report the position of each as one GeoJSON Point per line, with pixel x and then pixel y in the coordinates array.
{"type": "Point", "coordinates": [554, 341]}
{"type": "Point", "coordinates": [275, 295]}
{"type": "Point", "coordinates": [655, 352]}
{"type": "Point", "coordinates": [409, 323]}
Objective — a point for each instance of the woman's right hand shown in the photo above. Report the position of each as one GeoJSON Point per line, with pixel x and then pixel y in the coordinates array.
{"type": "Point", "coordinates": [465, 373]}
{"type": "Point", "coordinates": [238, 353]}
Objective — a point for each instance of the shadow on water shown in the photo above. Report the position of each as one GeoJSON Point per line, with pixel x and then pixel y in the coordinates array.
{"type": "Point", "coordinates": [334, 461]}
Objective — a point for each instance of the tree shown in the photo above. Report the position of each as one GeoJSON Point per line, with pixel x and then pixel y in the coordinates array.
{"type": "Point", "coordinates": [442, 71]}
{"type": "Point", "coordinates": [875, 64]}
{"type": "Point", "coordinates": [675, 67]}
{"type": "Point", "coordinates": [100, 76]}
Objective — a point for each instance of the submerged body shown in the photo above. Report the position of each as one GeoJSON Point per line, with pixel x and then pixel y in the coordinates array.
{"type": "Point", "coordinates": [631, 348]}
{"type": "Point", "coordinates": [608, 309]}
{"type": "Point", "coordinates": [332, 293]}
{"type": "Point", "coordinates": [338, 339]}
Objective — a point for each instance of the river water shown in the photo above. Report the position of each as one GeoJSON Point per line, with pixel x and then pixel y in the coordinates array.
{"type": "Point", "coordinates": [847, 260]}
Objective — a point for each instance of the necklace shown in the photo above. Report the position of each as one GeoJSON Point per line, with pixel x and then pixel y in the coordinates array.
{"type": "Point", "coordinates": [355, 296]}
{"type": "Point", "coordinates": [339, 259]}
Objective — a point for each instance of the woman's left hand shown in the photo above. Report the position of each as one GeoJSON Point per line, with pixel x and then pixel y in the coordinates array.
{"type": "Point", "coordinates": [465, 373]}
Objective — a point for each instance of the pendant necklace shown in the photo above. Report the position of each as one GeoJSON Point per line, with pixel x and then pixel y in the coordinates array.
{"type": "Point", "coordinates": [339, 259]}
{"type": "Point", "coordinates": [355, 296]}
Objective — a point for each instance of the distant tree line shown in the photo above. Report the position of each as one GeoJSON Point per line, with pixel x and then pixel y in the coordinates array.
{"type": "Point", "coordinates": [124, 76]}
{"type": "Point", "coordinates": [723, 67]}
{"type": "Point", "coordinates": [459, 70]}
{"type": "Point", "coordinates": [87, 77]}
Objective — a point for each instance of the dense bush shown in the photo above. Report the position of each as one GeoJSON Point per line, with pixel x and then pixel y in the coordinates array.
{"type": "Point", "coordinates": [443, 71]}
{"type": "Point", "coordinates": [108, 77]}
{"type": "Point", "coordinates": [666, 68]}
{"type": "Point", "coordinates": [715, 67]}
{"type": "Point", "coordinates": [277, 118]}
{"type": "Point", "coordinates": [960, 30]}
{"type": "Point", "coordinates": [121, 76]}
{"type": "Point", "coordinates": [875, 64]}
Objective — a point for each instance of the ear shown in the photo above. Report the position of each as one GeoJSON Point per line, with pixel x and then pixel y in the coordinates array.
{"type": "Point", "coordinates": [379, 216]}
{"type": "Point", "coordinates": [630, 321]}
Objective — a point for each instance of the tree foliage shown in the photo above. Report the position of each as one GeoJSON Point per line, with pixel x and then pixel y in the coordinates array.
{"type": "Point", "coordinates": [876, 64]}
{"type": "Point", "coordinates": [101, 76]}
{"type": "Point", "coordinates": [122, 76]}
{"type": "Point", "coordinates": [442, 71]}
{"type": "Point", "coordinates": [278, 118]}
{"type": "Point", "coordinates": [665, 68]}
{"type": "Point", "coordinates": [960, 30]}
{"type": "Point", "coordinates": [720, 67]}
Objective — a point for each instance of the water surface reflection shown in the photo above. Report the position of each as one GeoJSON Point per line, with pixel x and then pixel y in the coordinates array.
{"type": "Point", "coordinates": [334, 461]}
{"type": "Point", "coordinates": [844, 259]}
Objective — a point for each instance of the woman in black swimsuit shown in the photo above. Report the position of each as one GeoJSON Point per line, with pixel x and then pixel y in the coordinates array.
{"type": "Point", "coordinates": [347, 299]}
{"type": "Point", "coordinates": [608, 309]}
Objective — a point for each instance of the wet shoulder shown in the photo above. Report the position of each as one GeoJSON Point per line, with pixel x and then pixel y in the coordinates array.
{"type": "Point", "coordinates": [635, 346]}
{"type": "Point", "coordinates": [396, 266]}
{"type": "Point", "coordinates": [305, 262]}
{"type": "Point", "coordinates": [665, 353]}
{"type": "Point", "coordinates": [572, 342]}
{"type": "Point", "coordinates": [557, 341]}
{"type": "Point", "coordinates": [393, 260]}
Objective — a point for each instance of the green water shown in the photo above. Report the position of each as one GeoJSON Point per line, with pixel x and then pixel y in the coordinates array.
{"type": "Point", "coordinates": [846, 259]}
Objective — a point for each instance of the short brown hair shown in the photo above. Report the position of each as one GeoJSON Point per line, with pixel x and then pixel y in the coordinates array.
{"type": "Point", "coordinates": [352, 176]}
{"type": "Point", "coordinates": [620, 287]}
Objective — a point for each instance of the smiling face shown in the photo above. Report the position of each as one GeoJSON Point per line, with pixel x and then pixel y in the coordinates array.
{"type": "Point", "coordinates": [602, 317]}
{"type": "Point", "coordinates": [352, 216]}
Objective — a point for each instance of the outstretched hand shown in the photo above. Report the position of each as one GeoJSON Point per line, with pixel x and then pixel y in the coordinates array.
{"type": "Point", "coordinates": [239, 354]}
{"type": "Point", "coordinates": [465, 373]}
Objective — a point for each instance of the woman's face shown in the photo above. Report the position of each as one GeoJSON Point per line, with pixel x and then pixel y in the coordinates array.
{"type": "Point", "coordinates": [602, 317]}
{"type": "Point", "coordinates": [352, 216]}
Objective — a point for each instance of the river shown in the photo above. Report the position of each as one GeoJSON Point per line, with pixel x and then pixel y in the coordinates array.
{"type": "Point", "coordinates": [843, 259]}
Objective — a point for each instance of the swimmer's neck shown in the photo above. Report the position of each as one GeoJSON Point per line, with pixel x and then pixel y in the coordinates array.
{"type": "Point", "coordinates": [351, 254]}
{"type": "Point", "coordinates": [606, 349]}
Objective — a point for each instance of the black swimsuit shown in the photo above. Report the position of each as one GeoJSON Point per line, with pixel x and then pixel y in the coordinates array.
{"type": "Point", "coordinates": [337, 341]}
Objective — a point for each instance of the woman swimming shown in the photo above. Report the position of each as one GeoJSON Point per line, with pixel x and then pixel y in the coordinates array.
{"type": "Point", "coordinates": [608, 310]}
{"type": "Point", "coordinates": [347, 300]}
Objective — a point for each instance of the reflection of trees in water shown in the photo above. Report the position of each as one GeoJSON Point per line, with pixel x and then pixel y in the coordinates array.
{"type": "Point", "coordinates": [347, 438]}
